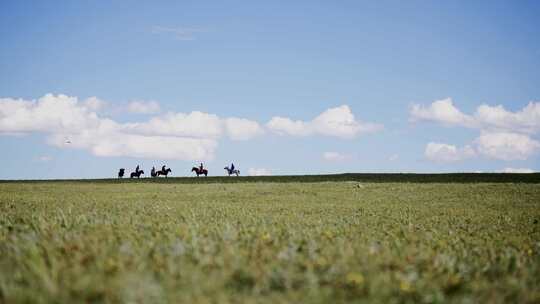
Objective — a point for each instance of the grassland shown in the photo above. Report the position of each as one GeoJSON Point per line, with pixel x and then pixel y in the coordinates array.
{"type": "Point", "coordinates": [288, 240]}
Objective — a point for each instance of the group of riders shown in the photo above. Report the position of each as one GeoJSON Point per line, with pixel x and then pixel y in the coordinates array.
{"type": "Point", "coordinates": [153, 172]}
{"type": "Point", "coordinates": [165, 171]}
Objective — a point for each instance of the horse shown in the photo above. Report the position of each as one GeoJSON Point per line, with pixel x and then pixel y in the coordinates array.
{"type": "Point", "coordinates": [121, 172]}
{"type": "Point", "coordinates": [136, 174]}
{"type": "Point", "coordinates": [235, 171]}
{"type": "Point", "coordinates": [199, 172]}
{"type": "Point", "coordinates": [161, 172]}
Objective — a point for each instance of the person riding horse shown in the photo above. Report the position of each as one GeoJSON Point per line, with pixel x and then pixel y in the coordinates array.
{"type": "Point", "coordinates": [232, 170]}
{"type": "Point", "coordinates": [200, 170]}
{"type": "Point", "coordinates": [153, 172]}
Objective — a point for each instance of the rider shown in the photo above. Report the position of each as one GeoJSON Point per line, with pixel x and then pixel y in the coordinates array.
{"type": "Point", "coordinates": [201, 168]}
{"type": "Point", "coordinates": [232, 167]}
{"type": "Point", "coordinates": [137, 169]}
{"type": "Point", "coordinates": [163, 169]}
{"type": "Point", "coordinates": [153, 173]}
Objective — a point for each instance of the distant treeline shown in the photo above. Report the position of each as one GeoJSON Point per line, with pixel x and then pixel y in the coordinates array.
{"type": "Point", "coordinates": [356, 177]}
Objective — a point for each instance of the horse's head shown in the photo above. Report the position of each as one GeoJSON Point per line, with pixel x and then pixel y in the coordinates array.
{"type": "Point", "coordinates": [141, 172]}
{"type": "Point", "coordinates": [169, 170]}
{"type": "Point", "coordinates": [194, 169]}
{"type": "Point", "coordinates": [226, 168]}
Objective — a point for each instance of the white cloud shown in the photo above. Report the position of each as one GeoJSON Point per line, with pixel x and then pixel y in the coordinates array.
{"type": "Point", "coordinates": [497, 145]}
{"type": "Point", "coordinates": [335, 156]}
{"type": "Point", "coordinates": [338, 122]}
{"type": "Point", "coordinates": [194, 124]}
{"type": "Point", "coordinates": [506, 145]}
{"type": "Point", "coordinates": [504, 135]}
{"type": "Point", "coordinates": [113, 144]}
{"type": "Point", "coordinates": [190, 136]}
{"type": "Point", "coordinates": [259, 172]}
{"type": "Point", "coordinates": [517, 170]}
{"type": "Point", "coordinates": [283, 125]}
{"type": "Point", "coordinates": [447, 153]}
{"type": "Point", "coordinates": [94, 104]}
{"type": "Point", "coordinates": [242, 129]}
{"type": "Point", "coordinates": [143, 107]}
{"type": "Point", "coordinates": [527, 120]}
{"type": "Point", "coordinates": [200, 125]}
{"type": "Point", "coordinates": [442, 111]}
{"type": "Point", "coordinates": [486, 117]}
{"type": "Point", "coordinates": [49, 113]}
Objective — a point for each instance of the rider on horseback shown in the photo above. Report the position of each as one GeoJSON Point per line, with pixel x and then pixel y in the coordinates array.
{"type": "Point", "coordinates": [232, 167]}
{"type": "Point", "coordinates": [137, 169]}
{"type": "Point", "coordinates": [163, 169]}
{"type": "Point", "coordinates": [201, 168]}
{"type": "Point", "coordinates": [153, 172]}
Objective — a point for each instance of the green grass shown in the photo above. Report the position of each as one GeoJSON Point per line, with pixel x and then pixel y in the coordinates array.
{"type": "Point", "coordinates": [360, 177]}
{"type": "Point", "coordinates": [185, 241]}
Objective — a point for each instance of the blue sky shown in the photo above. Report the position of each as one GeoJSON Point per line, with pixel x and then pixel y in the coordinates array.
{"type": "Point", "coordinates": [384, 86]}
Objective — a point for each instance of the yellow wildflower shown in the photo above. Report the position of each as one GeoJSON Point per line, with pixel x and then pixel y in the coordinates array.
{"type": "Point", "coordinates": [355, 278]}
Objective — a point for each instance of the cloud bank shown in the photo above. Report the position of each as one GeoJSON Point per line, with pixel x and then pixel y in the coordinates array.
{"type": "Point", "coordinates": [447, 153]}
{"type": "Point", "coordinates": [191, 136]}
{"type": "Point", "coordinates": [504, 135]}
{"type": "Point", "coordinates": [169, 135]}
{"type": "Point", "coordinates": [338, 122]}
{"type": "Point", "coordinates": [442, 111]}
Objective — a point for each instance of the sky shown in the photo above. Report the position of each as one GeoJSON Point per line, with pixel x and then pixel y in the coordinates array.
{"type": "Point", "coordinates": [303, 87]}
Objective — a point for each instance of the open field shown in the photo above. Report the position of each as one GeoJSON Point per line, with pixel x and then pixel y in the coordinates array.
{"type": "Point", "coordinates": [324, 239]}
{"type": "Point", "coordinates": [346, 177]}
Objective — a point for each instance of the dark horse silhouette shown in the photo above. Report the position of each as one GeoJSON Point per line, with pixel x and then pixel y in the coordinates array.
{"type": "Point", "coordinates": [231, 172]}
{"type": "Point", "coordinates": [161, 172]}
{"type": "Point", "coordinates": [199, 172]}
{"type": "Point", "coordinates": [136, 174]}
{"type": "Point", "coordinates": [121, 172]}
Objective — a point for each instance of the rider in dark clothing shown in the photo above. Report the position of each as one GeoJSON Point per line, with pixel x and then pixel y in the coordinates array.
{"type": "Point", "coordinates": [163, 169]}
{"type": "Point", "coordinates": [232, 168]}
{"type": "Point", "coordinates": [201, 168]}
{"type": "Point", "coordinates": [153, 172]}
{"type": "Point", "coordinates": [137, 169]}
